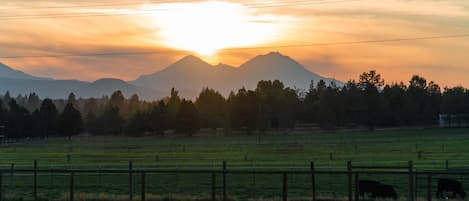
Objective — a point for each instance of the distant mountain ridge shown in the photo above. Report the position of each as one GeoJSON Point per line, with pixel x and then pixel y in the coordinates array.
{"type": "Point", "coordinates": [7, 72]}
{"type": "Point", "coordinates": [188, 75]}
{"type": "Point", "coordinates": [61, 88]}
{"type": "Point", "coordinates": [18, 82]}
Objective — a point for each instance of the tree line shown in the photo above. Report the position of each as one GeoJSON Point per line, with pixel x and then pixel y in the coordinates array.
{"type": "Point", "coordinates": [367, 102]}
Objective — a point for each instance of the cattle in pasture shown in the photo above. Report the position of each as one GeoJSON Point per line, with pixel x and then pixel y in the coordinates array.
{"type": "Point", "coordinates": [376, 189]}
{"type": "Point", "coordinates": [451, 186]}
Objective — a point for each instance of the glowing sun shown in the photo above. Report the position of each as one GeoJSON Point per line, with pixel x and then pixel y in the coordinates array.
{"type": "Point", "coordinates": [206, 27]}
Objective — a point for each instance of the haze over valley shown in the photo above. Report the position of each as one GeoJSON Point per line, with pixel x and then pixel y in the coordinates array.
{"type": "Point", "coordinates": [189, 75]}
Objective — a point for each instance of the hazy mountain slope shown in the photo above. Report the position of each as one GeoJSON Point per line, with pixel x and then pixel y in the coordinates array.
{"type": "Point", "coordinates": [17, 82]}
{"type": "Point", "coordinates": [275, 66]}
{"type": "Point", "coordinates": [44, 88]}
{"type": "Point", "coordinates": [7, 72]}
{"type": "Point", "coordinates": [107, 86]}
{"type": "Point", "coordinates": [190, 74]}
{"type": "Point", "coordinates": [61, 88]}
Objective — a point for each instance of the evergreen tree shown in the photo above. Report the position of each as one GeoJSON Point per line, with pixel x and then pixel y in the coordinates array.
{"type": "Point", "coordinates": [19, 122]}
{"type": "Point", "coordinates": [187, 118]}
{"type": "Point", "coordinates": [111, 122]}
{"type": "Point", "coordinates": [70, 122]}
{"type": "Point", "coordinates": [3, 114]}
{"type": "Point", "coordinates": [72, 99]}
{"type": "Point", "coordinates": [48, 115]}
{"type": "Point", "coordinates": [117, 100]}
{"type": "Point", "coordinates": [370, 83]}
{"type": "Point", "coordinates": [211, 107]}
{"type": "Point", "coordinates": [244, 110]}
{"type": "Point", "coordinates": [172, 108]}
{"type": "Point", "coordinates": [158, 118]}
{"type": "Point", "coordinates": [33, 102]}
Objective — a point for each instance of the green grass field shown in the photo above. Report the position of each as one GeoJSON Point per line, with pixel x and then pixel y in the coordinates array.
{"type": "Point", "coordinates": [329, 151]}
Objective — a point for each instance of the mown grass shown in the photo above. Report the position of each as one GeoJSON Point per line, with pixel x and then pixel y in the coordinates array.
{"type": "Point", "coordinates": [291, 151]}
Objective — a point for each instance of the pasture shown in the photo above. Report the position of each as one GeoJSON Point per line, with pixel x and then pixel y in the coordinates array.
{"type": "Point", "coordinates": [429, 149]}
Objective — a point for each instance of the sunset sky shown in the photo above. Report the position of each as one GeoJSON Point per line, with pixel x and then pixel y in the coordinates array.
{"type": "Point", "coordinates": [315, 33]}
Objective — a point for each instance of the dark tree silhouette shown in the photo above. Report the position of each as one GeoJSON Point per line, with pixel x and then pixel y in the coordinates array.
{"type": "Point", "coordinates": [244, 110]}
{"type": "Point", "coordinates": [269, 107]}
{"type": "Point", "coordinates": [70, 121]}
{"type": "Point", "coordinates": [48, 117]}
{"type": "Point", "coordinates": [172, 108]}
{"type": "Point", "coordinates": [19, 121]}
{"type": "Point", "coordinates": [117, 100]}
{"type": "Point", "coordinates": [111, 122]}
{"type": "Point", "coordinates": [331, 108]}
{"type": "Point", "coordinates": [211, 106]}
{"type": "Point", "coordinates": [3, 114]}
{"type": "Point", "coordinates": [187, 118]}
{"type": "Point", "coordinates": [72, 99]}
{"type": "Point", "coordinates": [370, 82]}
{"type": "Point", "coordinates": [33, 102]}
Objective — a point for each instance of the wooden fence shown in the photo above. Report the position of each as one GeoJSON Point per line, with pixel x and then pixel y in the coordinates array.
{"type": "Point", "coordinates": [353, 173]}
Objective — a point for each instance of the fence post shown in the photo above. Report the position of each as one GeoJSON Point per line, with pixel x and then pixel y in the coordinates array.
{"type": "Point", "coordinates": [285, 187]}
{"type": "Point", "coordinates": [224, 181]}
{"type": "Point", "coordinates": [357, 188]}
{"type": "Point", "coordinates": [313, 181]}
{"type": "Point", "coordinates": [349, 170]}
{"type": "Point", "coordinates": [131, 189]}
{"type": "Point", "coordinates": [143, 185]}
{"type": "Point", "coordinates": [72, 185]}
{"type": "Point", "coordinates": [1, 185]}
{"type": "Point", "coordinates": [416, 180]}
{"type": "Point", "coordinates": [35, 180]}
{"type": "Point", "coordinates": [213, 186]}
{"type": "Point", "coordinates": [429, 187]}
{"type": "Point", "coordinates": [411, 182]}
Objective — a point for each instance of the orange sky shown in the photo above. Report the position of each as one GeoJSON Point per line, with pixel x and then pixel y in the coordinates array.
{"type": "Point", "coordinates": [207, 28]}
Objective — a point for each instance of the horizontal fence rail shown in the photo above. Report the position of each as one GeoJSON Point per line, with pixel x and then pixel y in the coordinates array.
{"type": "Point", "coordinates": [136, 175]}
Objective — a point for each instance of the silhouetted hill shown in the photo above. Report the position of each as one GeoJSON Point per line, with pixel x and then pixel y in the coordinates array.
{"type": "Point", "coordinates": [7, 72]}
{"type": "Point", "coordinates": [275, 66]}
{"type": "Point", "coordinates": [190, 74]}
{"type": "Point", "coordinates": [44, 88]}
{"type": "Point", "coordinates": [18, 82]}
{"type": "Point", "coordinates": [108, 85]}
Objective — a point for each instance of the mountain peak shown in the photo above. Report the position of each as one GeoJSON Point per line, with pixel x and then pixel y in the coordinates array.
{"type": "Point", "coordinates": [190, 58]}
{"type": "Point", "coordinates": [272, 60]}
{"type": "Point", "coordinates": [109, 80]}
{"type": "Point", "coordinates": [276, 54]}
{"type": "Point", "coordinates": [190, 74]}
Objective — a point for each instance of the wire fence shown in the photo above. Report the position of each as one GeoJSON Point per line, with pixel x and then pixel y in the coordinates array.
{"type": "Point", "coordinates": [221, 184]}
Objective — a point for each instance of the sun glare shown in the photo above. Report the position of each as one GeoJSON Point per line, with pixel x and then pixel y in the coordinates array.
{"type": "Point", "coordinates": [207, 27]}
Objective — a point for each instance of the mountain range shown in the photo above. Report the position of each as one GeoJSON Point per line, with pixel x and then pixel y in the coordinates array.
{"type": "Point", "coordinates": [188, 75]}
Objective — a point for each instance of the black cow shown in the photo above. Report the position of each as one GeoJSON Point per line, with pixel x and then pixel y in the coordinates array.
{"type": "Point", "coordinates": [376, 190]}
{"type": "Point", "coordinates": [450, 186]}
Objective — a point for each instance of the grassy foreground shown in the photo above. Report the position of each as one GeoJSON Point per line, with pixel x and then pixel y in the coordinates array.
{"type": "Point", "coordinates": [291, 151]}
